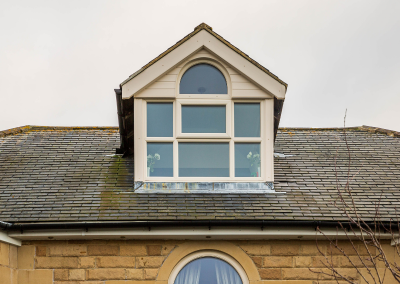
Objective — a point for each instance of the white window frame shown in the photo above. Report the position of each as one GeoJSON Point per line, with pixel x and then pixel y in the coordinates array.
{"type": "Point", "coordinates": [227, 258]}
{"type": "Point", "coordinates": [204, 96]}
{"type": "Point", "coordinates": [198, 102]}
{"type": "Point", "coordinates": [141, 138]}
{"type": "Point", "coordinates": [207, 137]}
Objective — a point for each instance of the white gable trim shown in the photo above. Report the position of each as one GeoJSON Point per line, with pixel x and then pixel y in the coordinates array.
{"type": "Point", "coordinates": [194, 44]}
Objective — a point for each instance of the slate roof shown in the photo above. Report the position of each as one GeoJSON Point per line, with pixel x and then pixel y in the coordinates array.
{"type": "Point", "coordinates": [71, 174]}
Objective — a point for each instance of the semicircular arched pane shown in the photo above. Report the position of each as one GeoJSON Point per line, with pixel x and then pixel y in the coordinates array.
{"type": "Point", "coordinates": [203, 79]}
{"type": "Point", "coordinates": [208, 270]}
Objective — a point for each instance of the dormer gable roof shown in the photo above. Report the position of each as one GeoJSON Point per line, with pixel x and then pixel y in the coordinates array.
{"type": "Point", "coordinates": [269, 81]}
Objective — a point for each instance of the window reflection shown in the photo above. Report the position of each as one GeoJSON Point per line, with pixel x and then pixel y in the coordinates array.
{"type": "Point", "coordinates": [247, 119]}
{"type": "Point", "coordinates": [203, 159]}
{"type": "Point", "coordinates": [159, 160]}
{"type": "Point", "coordinates": [160, 119]}
{"type": "Point", "coordinates": [247, 160]}
{"type": "Point", "coordinates": [203, 119]}
{"type": "Point", "coordinates": [203, 79]}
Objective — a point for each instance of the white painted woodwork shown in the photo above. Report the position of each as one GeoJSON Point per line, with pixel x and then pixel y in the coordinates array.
{"type": "Point", "coordinates": [167, 85]}
{"type": "Point", "coordinates": [189, 233]}
{"type": "Point", "coordinates": [9, 240]}
{"type": "Point", "coordinates": [240, 89]}
{"type": "Point", "coordinates": [139, 126]}
{"type": "Point", "coordinates": [268, 139]}
{"type": "Point", "coordinates": [187, 50]}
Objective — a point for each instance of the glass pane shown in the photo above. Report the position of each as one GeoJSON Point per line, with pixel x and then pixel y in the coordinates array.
{"type": "Point", "coordinates": [247, 120]}
{"type": "Point", "coordinates": [159, 120]}
{"type": "Point", "coordinates": [203, 79]}
{"type": "Point", "coordinates": [203, 159]}
{"type": "Point", "coordinates": [208, 270]}
{"type": "Point", "coordinates": [247, 160]}
{"type": "Point", "coordinates": [203, 119]}
{"type": "Point", "coordinates": [159, 160]}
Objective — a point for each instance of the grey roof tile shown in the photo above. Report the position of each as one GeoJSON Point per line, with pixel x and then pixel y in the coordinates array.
{"type": "Point", "coordinates": [69, 174]}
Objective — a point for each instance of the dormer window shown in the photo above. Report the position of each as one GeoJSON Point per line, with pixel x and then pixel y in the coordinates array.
{"type": "Point", "coordinates": [203, 113]}
{"type": "Point", "coordinates": [193, 138]}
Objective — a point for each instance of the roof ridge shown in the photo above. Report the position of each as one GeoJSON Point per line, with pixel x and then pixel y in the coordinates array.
{"type": "Point", "coordinates": [15, 130]}
{"type": "Point", "coordinates": [381, 131]}
{"type": "Point", "coordinates": [372, 129]}
{"type": "Point", "coordinates": [26, 128]}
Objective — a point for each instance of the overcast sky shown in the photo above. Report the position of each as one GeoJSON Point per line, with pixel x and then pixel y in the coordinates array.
{"type": "Point", "coordinates": [61, 60]}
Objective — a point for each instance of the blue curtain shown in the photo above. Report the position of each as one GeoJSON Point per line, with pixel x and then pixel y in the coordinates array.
{"type": "Point", "coordinates": [190, 274]}
{"type": "Point", "coordinates": [226, 274]}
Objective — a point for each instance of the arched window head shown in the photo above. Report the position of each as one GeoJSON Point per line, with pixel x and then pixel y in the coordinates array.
{"type": "Point", "coordinates": [208, 270]}
{"type": "Point", "coordinates": [203, 79]}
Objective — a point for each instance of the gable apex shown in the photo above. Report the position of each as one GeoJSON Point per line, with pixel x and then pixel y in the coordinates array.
{"type": "Point", "coordinates": [203, 36]}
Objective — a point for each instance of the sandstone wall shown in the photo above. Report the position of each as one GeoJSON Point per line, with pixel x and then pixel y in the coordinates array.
{"type": "Point", "coordinates": [134, 262]}
{"type": "Point", "coordinates": [8, 264]}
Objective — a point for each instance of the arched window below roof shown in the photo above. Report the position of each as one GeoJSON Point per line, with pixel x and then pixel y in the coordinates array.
{"type": "Point", "coordinates": [208, 270]}
{"type": "Point", "coordinates": [203, 79]}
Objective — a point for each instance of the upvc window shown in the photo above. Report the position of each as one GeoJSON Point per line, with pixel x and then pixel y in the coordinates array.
{"type": "Point", "coordinates": [212, 139]}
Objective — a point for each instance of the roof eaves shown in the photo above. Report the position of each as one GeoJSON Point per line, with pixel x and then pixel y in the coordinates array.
{"type": "Point", "coordinates": [207, 28]}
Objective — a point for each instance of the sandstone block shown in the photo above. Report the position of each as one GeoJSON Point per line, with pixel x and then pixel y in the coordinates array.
{"type": "Point", "coordinates": [150, 274]}
{"type": "Point", "coordinates": [278, 261]}
{"type": "Point", "coordinates": [41, 251]}
{"type": "Point", "coordinates": [26, 257]}
{"type": "Point", "coordinates": [285, 249]}
{"type": "Point", "coordinates": [116, 261]}
{"type": "Point", "coordinates": [84, 282]}
{"type": "Point", "coordinates": [135, 274]}
{"type": "Point", "coordinates": [4, 254]}
{"type": "Point", "coordinates": [133, 250]}
{"type": "Point", "coordinates": [77, 274]}
{"type": "Point", "coordinates": [355, 261]}
{"type": "Point", "coordinates": [312, 249]}
{"type": "Point", "coordinates": [166, 249]}
{"type": "Point", "coordinates": [303, 274]}
{"type": "Point", "coordinates": [153, 250]}
{"type": "Point", "coordinates": [257, 260]}
{"type": "Point", "coordinates": [61, 274]}
{"type": "Point", "coordinates": [302, 261]}
{"type": "Point", "coordinates": [37, 276]}
{"type": "Point", "coordinates": [270, 273]}
{"type": "Point", "coordinates": [57, 262]}
{"type": "Point", "coordinates": [69, 250]}
{"type": "Point", "coordinates": [321, 261]}
{"type": "Point", "coordinates": [86, 262]}
{"type": "Point", "coordinates": [362, 250]}
{"type": "Point", "coordinates": [348, 272]}
{"type": "Point", "coordinates": [106, 274]}
{"type": "Point", "coordinates": [13, 256]}
{"type": "Point", "coordinates": [5, 273]}
{"type": "Point", "coordinates": [256, 249]}
{"type": "Point", "coordinates": [102, 250]}
{"type": "Point", "coordinates": [14, 276]}
{"type": "Point", "coordinates": [150, 261]}
{"type": "Point", "coordinates": [345, 246]}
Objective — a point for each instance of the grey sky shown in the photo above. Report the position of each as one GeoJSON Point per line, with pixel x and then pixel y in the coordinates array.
{"type": "Point", "coordinates": [61, 60]}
